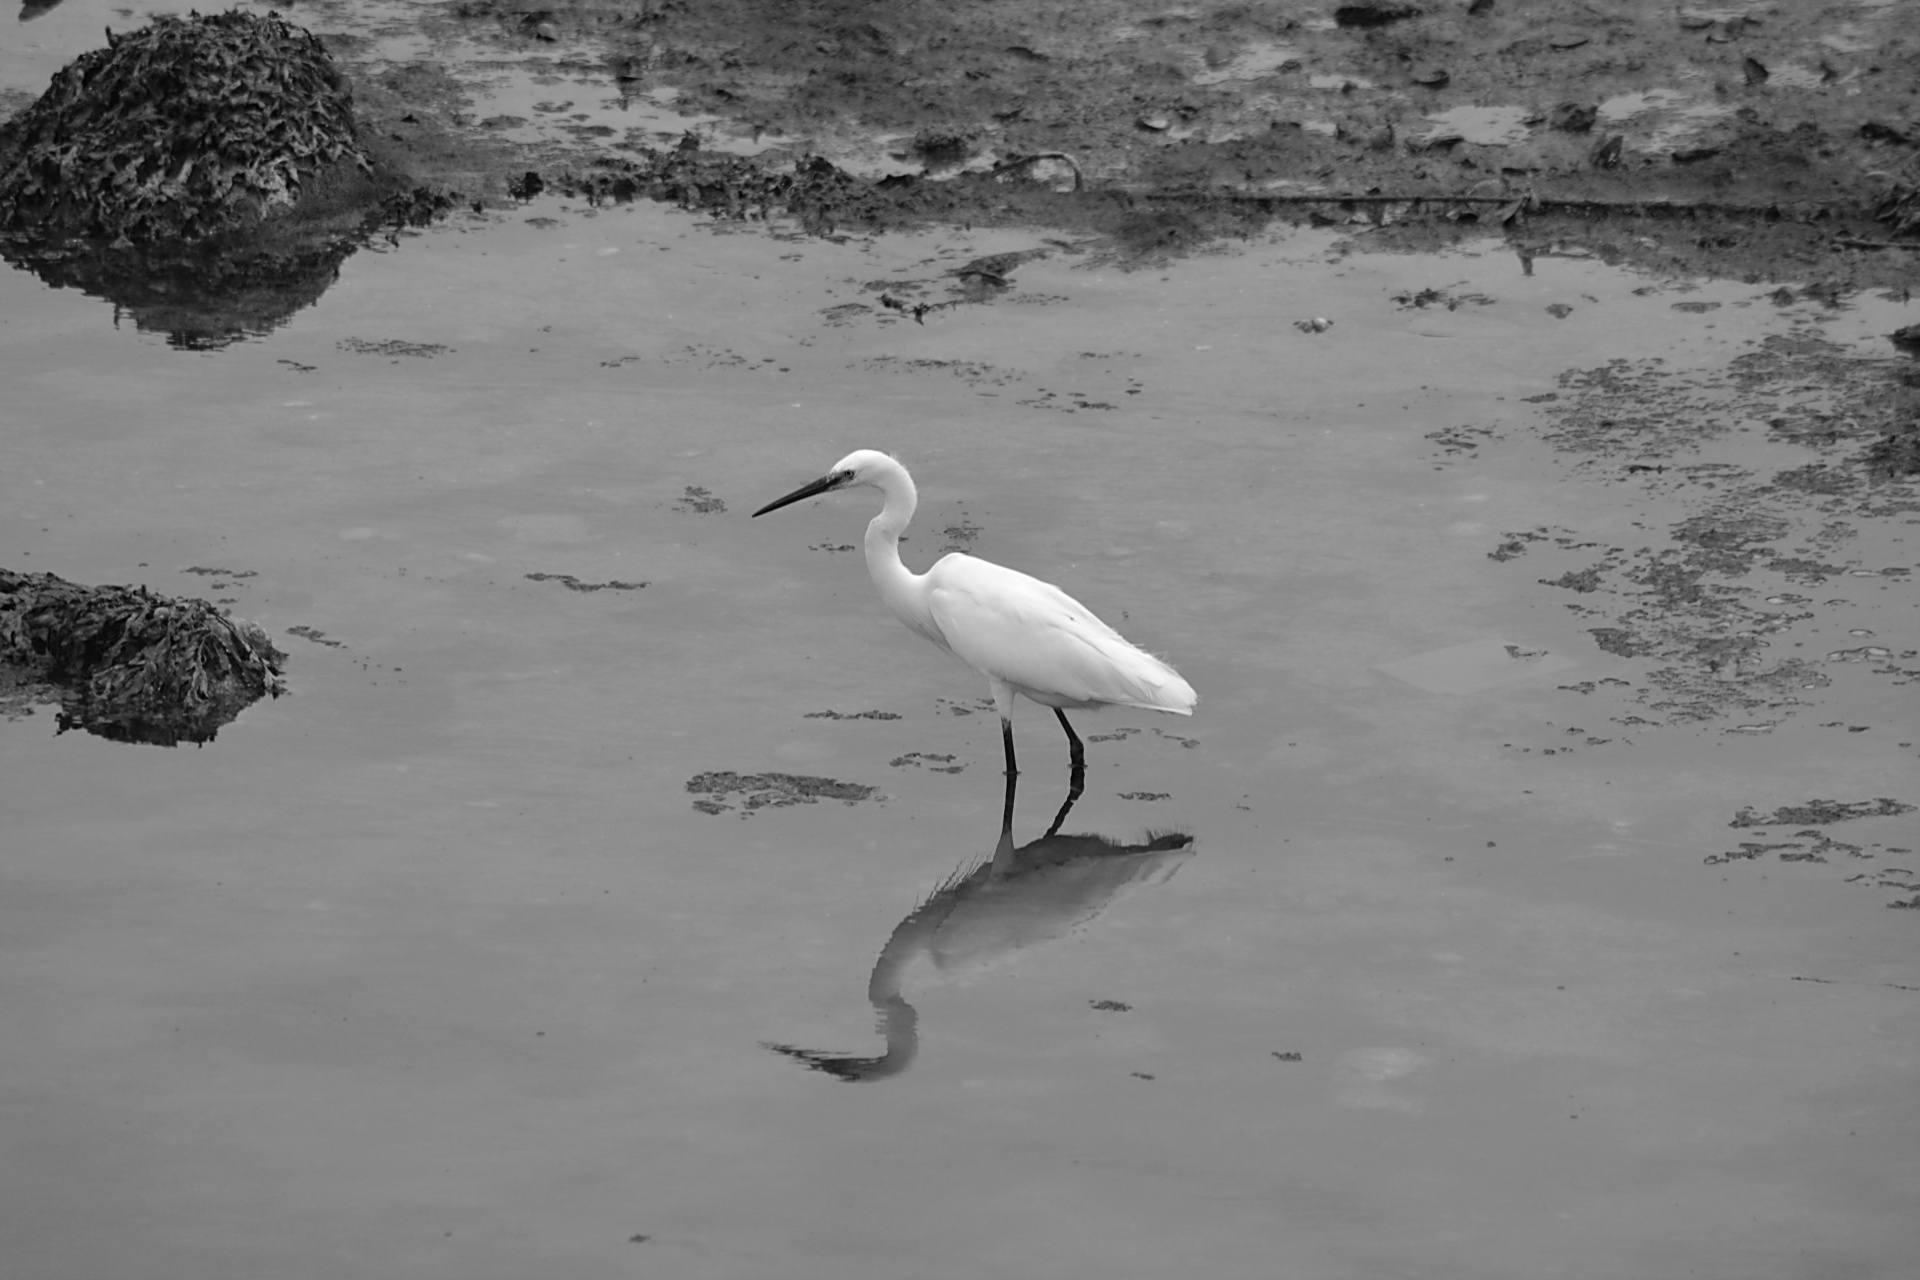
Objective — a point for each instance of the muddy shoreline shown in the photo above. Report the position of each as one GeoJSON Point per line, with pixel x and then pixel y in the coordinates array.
{"type": "Point", "coordinates": [1763, 146]}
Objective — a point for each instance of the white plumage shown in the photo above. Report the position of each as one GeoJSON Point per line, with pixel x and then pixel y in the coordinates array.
{"type": "Point", "coordinates": [1024, 635]}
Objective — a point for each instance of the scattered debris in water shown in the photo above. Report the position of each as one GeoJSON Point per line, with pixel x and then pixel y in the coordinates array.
{"type": "Point", "coordinates": [316, 635]}
{"type": "Point", "coordinates": [1461, 441]}
{"type": "Point", "coordinates": [814, 192]}
{"type": "Point", "coordinates": [1419, 298]}
{"type": "Point", "coordinates": [918, 310]}
{"type": "Point", "coordinates": [1821, 811]}
{"type": "Point", "coordinates": [1699, 602]}
{"type": "Point", "coordinates": [1110, 1006]}
{"type": "Point", "coordinates": [700, 502]}
{"type": "Point", "coordinates": [937, 763]}
{"type": "Point", "coordinates": [958, 536]}
{"type": "Point", "coordinates": [572, 583]}
{"type": "Point", "coordinates": [770, 791]}
{"type": "Point", "coordinates": [851, 715]}
{"type": "Point", "coordinates": [959, 708]}
{"type": "Point", "coordinates": [128, 664]}
{"type": "Point", "coordinates": [1811, 845]}
{"type": "Point", "coordinates": [1747, 851]}
{"type": "Point", "coordinates": [393, 347]}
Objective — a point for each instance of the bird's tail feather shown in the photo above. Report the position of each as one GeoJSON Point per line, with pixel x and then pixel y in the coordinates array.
{"type": "Point", "coordinates": [1138, 679]}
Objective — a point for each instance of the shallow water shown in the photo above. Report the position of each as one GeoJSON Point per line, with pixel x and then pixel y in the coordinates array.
{"type": "Point", "coordinates": [435, 968]}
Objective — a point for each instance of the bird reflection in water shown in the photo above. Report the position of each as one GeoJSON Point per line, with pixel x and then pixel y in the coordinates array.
{"type": "Point", "coordinates": [1021, 897]}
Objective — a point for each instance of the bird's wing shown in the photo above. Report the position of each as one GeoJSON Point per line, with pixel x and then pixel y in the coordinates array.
{"type": "Point", "coordinates": [1042, 641]}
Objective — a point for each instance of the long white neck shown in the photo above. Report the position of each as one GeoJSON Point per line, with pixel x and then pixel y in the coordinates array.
{"type": "Point", "coordinates": [900, 588]}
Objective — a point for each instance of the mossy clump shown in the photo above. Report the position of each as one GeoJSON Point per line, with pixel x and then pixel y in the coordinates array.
{"type": "Point", "coordinates": [129, 664]}
{"type": "Point", "coordinates": [178, 131]}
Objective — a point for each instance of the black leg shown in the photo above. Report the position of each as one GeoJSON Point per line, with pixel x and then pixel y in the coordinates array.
{"type": "Point", "coordinates": [1077, 779]}
{"type": "Point", "coordinates": [1006, 740]}
{"type": "Point", "coordinates": [1078, 751]}
{"type": "Point", "coordinates": [1065, 809]}
{"type": "Point", "coordinates": [1006, 815]}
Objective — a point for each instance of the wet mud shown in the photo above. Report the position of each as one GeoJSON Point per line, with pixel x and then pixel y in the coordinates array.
{"type": "Point", "coordinates": [1773, 146]}
{"type": "Point", "coordinates": [1763, 147]}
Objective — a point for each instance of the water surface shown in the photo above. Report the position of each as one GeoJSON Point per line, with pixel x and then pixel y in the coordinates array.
{"type": "Point", "coordinates": [434, 968]}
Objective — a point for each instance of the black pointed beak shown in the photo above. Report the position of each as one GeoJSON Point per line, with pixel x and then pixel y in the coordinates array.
{"type": "Point", "coordinates": [822, 485]}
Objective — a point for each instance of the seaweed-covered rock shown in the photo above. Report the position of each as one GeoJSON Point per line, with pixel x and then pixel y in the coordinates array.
{"type": "Point", "coordinates": [203, 174]}
{"type": "Point", "coordinates": [128, 664]}
{"type": "Point", "coordinates": [178, 131]}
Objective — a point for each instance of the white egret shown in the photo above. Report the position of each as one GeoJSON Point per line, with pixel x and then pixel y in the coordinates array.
{"type": "Point", "coordinates": [1024, 635]}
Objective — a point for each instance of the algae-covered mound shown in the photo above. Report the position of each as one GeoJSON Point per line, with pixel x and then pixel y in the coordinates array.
{"type": "Point", "coordinates": [178, 131]}
{"type": "Point", "coordinates": [129, 664]}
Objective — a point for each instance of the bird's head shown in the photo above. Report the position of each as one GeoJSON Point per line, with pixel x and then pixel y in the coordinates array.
{"type": "Point", "coordinates": [862, 466]}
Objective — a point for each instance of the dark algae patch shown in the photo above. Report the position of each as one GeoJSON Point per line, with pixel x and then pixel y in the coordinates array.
{"type": "Point", "coordinates": [937, 762]}
{"type": "Point", "coordinates": [393, 347]}
{"type": "Point", "coordinates": [815, 193]}
{"type": "Point", "coordinates": [315, 635]}
{"type": "Point", "coordinates": [720, 791]}
{"type": "Point", "coordinates": [700, 502]}
{"type": "Point", "coordinates": [572, 583]}
{"type": "Point", "coordinates": [1717, 601]}
{"type": "Point", "coordinates": [1809, 844]}
{"type": "Point", "coordinates": [1820, 812]}
{"type": "Point", "coordinates": [127, 663]}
